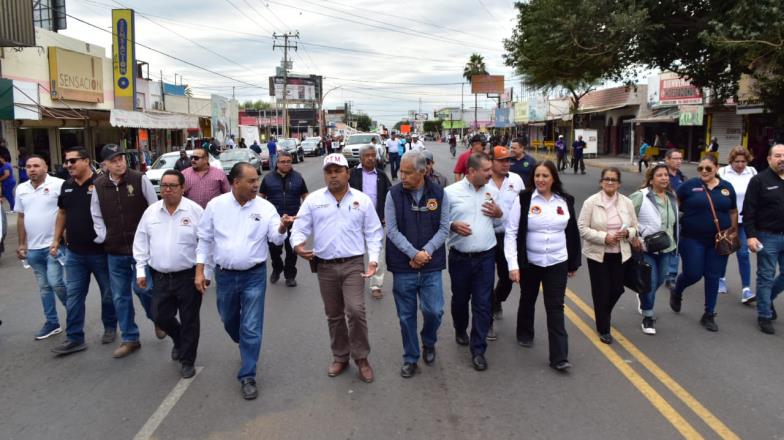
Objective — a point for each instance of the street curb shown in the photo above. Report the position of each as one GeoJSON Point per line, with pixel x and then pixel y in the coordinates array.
{"type": "Point", "coordinates": [593, 163]}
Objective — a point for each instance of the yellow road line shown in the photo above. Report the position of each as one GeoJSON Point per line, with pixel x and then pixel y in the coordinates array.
{"type": "Point", "coordinates": [712, 421]}
{"type": "Point", "coordinates": [658, 402]}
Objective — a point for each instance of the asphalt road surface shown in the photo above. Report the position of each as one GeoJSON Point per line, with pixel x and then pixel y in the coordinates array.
{"type": "Point", "coordinates": [683, 382]}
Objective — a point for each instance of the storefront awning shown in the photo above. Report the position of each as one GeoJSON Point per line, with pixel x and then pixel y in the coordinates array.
{"type": "Point", "coordinates": [660, 115]}
{"type": "Point", "coordinates": [125, 118]}
{"type": "Point", "coordinates": [453, 124]}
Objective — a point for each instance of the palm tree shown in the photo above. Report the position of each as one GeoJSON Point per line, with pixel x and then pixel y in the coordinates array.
{"type": "Point", "coordinates": [475, 66]}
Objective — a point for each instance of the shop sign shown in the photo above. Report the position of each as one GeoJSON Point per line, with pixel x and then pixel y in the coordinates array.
{"type": "Point", "coordinates": [75, 76]}
{"type": "Point", "coordinates": [124, 58]}
{"type": "Point", "coordinates": [502, 118]}
{"type": "Point", "coordinates": [690, 115]}
{"type": "Point", "coordinates": [675, 90]}
{"type": "Point", "coordinates": [521, 112]}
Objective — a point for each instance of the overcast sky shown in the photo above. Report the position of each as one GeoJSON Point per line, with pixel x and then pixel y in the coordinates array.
{"type": "Point", "coordinates": [357, 45]}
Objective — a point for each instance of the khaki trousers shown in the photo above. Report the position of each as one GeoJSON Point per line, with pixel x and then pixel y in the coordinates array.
{"type": "Point", "coordinates": [342, 290]}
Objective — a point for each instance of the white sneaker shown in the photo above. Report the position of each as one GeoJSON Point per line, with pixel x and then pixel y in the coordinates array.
{"type": "Point", "coordinates": [648, 326]}
{"type": "Point", "coordinates": [722, 285]}
{"type": "Point", "coordinates": [747, 296]}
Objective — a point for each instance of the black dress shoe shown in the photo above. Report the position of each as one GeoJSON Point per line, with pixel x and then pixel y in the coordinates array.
{"type": "Point", "coordinates": [774, 316]}
{"type": "Point", "coordinates": [527, 343]}
{"type": "Point", "coordinates": [675, 301]}
{"type": "Point", "coordinates": [69, 347]}
{"type": "Point", "coordinates": [291, 282]}
{"type": "Point", "coordinates": [480, 363]}
{"type": "Point", "coordinates": [461, 339]}
{"type": "Point", "coordinates": [175, 354]}
{"type": "Point", "coordinates": [187, 371]}
{"type": "Point", "coordinates": [429, 354]}
{"type": "Point", "coordinates": [274, 277]}
{"type": "Point", "coordinates": [409, 369]}
{"type": "Point", "coordinates": [561, 366]}
{"type": "Point", "coordinates": [249, 391]}
{"type": "Point", "coordinates": [606, 338]}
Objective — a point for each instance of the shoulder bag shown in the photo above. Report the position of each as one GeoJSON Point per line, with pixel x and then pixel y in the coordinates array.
{"type": "Point", "coordinates": [726, 241]}
{"type": "Point", "coordinates": [638, 274]}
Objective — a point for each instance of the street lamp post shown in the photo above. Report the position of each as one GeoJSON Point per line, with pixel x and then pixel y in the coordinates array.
{"type": "Point", "coordinates": [321, 111]}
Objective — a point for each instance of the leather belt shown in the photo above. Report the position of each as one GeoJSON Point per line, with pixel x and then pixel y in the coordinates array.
{"type": "Point", "coordinates": [337, 260]}
{"type": "Point", "coordinates": [189, 271]}
{"type": "Point", "coordinates": [471, 254]}
{"type": "Point", "coordinates": [254, 267]}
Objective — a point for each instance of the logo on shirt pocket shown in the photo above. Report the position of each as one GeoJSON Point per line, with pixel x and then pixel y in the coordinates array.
{"type": "Point", "coordinates": [536, 210]}
{"type": "Point", "coordinates": [432, 204]}
{"type": "Point", "coordinates": [725, 192]}
{"type": "Point", "coordinates": [255, 217]}
{"type": "Point", "coordinates": [185, 221]}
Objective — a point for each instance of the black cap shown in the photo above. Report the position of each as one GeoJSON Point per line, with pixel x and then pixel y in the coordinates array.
{"type": "Point", "coordinates": [110, 150]}
{"type": "Point", "coordinates": [478, 138]}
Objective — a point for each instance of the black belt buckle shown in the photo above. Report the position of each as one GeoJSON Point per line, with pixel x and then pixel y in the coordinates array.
{"type": "Point", "coordinates": [255, 266]}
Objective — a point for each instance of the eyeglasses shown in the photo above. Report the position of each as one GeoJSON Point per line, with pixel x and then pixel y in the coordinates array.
{"type": "Point", "coordinates": [73, 161]}
{"type": "Point", "coordinates": [197, 157]}
{"type": "Point", "coordinates": [169, 185]}
{"type": "Point", "coordinates": [701, 169]}
{"type": "Point", "coordinates": [610, 180]}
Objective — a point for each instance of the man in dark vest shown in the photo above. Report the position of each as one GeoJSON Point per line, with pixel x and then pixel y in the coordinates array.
{"type": "Point", "coordinates": [417, 214]}
{"type": "Point", "coordinates": [374, 182]}
{"type": "Point", "coordinates": [285, 189]}
{"type": "Point", "coordinates": [121, 195]}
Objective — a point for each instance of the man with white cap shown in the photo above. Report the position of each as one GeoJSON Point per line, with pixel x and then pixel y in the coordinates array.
{"type": "Point", "coordinates": [345, 226]}
{"type": "Point", "coordinates": [560, 153]}
{"type": "Point", "coordinates": [416, 144]}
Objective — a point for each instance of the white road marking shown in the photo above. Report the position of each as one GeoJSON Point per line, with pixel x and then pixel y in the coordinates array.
{"type": "Point", "coordinates": [168, 403]}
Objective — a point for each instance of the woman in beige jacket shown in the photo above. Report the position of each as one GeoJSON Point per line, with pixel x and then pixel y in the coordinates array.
{"type": "Point", "coordinates": [608, 225]}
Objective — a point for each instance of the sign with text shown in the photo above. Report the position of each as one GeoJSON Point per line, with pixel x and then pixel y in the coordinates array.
{"type": "Point", "coordinates": [521, 112]}
{"type": "Point", "coordinates": [675, 90]}
{"type": "Point", "coordinates": [124, 58]}
{"type": "Point", "coordinates": [297, 89]}
{"type": "Point", "coordinates": [489, 84]}
{"type": "Point", "coordinates": [690, 115]}
{"type": "Point", "coordinates": [75, 76]}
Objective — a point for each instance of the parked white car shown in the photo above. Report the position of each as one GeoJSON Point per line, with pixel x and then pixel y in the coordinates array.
{"type": "Point", "coordinates": [357, 141]}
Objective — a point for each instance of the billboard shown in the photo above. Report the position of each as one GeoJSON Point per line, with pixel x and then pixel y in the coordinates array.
{"type": "Point", "coordinates": [502, 118]}
{"type": "Point", "coordinates": [75, 76]}
{"type": "Point", "coordinates": [675, 90]}
{"type": "Point", "coordinates": [224, 117]}
{"type": "Point", "coordinates": [690, 115]}
{"type": "Point", "coordinates": [521, 112]}
{"type": "Point", "coordinates": [297, 89]}
{"type": "Point", "coordinates": [124, 58]}
{"type": "Point", "coordinates": [490, 84]}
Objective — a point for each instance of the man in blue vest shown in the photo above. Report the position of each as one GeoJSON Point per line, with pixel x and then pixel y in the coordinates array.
{"type": "Point", "coordinates": [417, 219]}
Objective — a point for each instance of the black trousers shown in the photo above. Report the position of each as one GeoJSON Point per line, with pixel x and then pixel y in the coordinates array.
{"type": "Point", "coordinates": [552, 279]}
{"type": "Point", "coordinates": [175, 292]}
{"type": "Point", "coordinates": [578, 160]}
{"type": "Point", "coordinates": [504, 285]}
{"type": "Point", "coordinates": [289, 269]}
{"type": "Point", "coordinates": [562, 165]}
{"type": "Point", "coordinates": [606, 288]}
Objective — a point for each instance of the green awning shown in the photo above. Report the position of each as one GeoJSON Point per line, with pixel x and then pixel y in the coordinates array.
{"type": "Point", "coordinates": [453, 124]}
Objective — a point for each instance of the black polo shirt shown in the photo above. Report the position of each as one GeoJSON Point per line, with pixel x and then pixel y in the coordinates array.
{"type": "Point", "coordinates": [764, 204]}
{"type": "Point", "coordinates": [79, 232]}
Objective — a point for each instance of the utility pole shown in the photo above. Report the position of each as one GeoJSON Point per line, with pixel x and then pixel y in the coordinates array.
{"type": "Point", "coordinates": [286, 46]}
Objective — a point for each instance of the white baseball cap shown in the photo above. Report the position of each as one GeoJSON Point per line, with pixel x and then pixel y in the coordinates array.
{"type": "Point", "coordinates": [335, 159]}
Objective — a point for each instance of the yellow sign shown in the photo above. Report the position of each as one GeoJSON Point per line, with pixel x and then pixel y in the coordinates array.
{"type": "Point", "coordinates": [124, 58]}
{"type": "Point", "coordinates": [75, 76]}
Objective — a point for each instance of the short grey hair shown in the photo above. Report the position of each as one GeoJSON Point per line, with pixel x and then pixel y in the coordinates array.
{"type": "Point", "coordinates": [417, 158]}
{"type": "Point", "coordinates": [365, 148]}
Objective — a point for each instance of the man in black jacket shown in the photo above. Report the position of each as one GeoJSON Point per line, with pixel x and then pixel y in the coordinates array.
{"type": "Point", "coordinates": [374, 182]}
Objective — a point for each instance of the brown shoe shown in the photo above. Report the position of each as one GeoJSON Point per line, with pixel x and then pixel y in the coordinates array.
{"type": "Point", "coordinates": [377, 294]}
{"type": "Point", "coordinates": [159, 333]}
{"type": "Point", "coordinates": [126, 348]}
{"type": "Point", "coordinates": [336, 368]}
{"type": "Point", "coordinates": [365, 372]}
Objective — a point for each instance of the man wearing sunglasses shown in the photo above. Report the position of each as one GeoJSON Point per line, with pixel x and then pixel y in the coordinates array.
{"type": "Point", "coordinates": [84, 256]}
{"type": "Point", "coordinates": [202, 181]}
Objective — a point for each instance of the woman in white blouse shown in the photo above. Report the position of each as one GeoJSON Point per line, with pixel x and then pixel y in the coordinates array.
{"type": "Point", "coordinates": [739, 174]}
{"type": "Point", "coordinates": [543, 256]}
{"type": "Point", "coordinates": [607, 225]}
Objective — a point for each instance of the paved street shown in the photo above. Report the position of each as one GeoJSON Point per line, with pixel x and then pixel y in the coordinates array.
{"type": "Point", "coordinates": [684, 381]}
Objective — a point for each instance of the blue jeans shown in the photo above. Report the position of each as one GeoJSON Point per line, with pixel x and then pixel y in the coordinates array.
{"type": "Point", "coordinates": [49, 274]}
{"type": "Point", "coordinates": [79, 267]}
{"type": "Point", "coordinates": [472, 280]}
{"type": "Point", "coordinates": [122, 281]}
{"type": "Point", "coordinates": [394, 164]}
{"type": "Point", "coordinates": [273, 161]}
{"type": "Point", "coordinates": [406, 287]}
{"type": "Point", "coordinates": [660, 265]}
{"type": "Point", "coordinates": [744, 264]}
{"type": "Point", "coordinates": [240, 297]}
{"type": "Point", "coordinates": [700, 260]}
{"type": "Point", "coordinates": [672, 270]}
{"type": "Point", "coordinates": [768, 284]}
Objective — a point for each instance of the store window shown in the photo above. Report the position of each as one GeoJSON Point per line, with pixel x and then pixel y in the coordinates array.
{"type": "Point", "coordinates": [71, 137]}
{"type": "Point", "coordinates": [34, 141]}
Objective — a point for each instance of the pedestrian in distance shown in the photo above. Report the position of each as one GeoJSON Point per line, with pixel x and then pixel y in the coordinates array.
{"type": "Point", "coordinates": [656, 206]}
{"type": "Point", "coordinates": [560, 153]}
{"type": "Point", "coordinates": [461, 166]}
{"type": "Point", "coordinates": [120, 197]}
{"type": "Point", "coordinates": [7, 182]}
{"type": "Point", "coordinates": [764, 224]}
{"type": "Point", "coordinates": [434, 176]}
{"type": "Point", "coordinates": [285, 189]}
{"type": "Point", "coordinates": [204, 182]}
{"type": "Point", "coordinates": [645, 156]}
{"type": "Point", "coordinates": [472, 254]}
{"type": "Point", "coordinates": [578, 148]}
{"type": "Point", "coordinates": [165, 241]}
{"type": "Point", "coordinates": [739, 173]}
{"type": "Point", "coordinates": [392, 145]}
{"type": "Point", "coordinates": [452, 144]}
{"type": "Point", "coordinates": [84, 256]}
{"type": "Point", "coordinates": [699, 223]}
{"type": "Point", "coordinates": [542, 248]}
{"type": "Point", "coordinates": [256, 147]}
{"type": "Point", "coordinates": [36, 209]}
{"type": "Point", "coordinates": [673, 159]}
{"type": "Point", "coordinates": [417, 213]}
{"type": "Point", "coordinates": [183, 162]}
{"type": "Point", "coordinates": [509, 186]}
{"type": "Point", "coordinates": [373, 181]}
{"type": "Point", "coordinates": [272, 149]}
{"type": "Point", "coordinates": [233, 235]}
{"type": "Point", "coordinates": [608, 227]}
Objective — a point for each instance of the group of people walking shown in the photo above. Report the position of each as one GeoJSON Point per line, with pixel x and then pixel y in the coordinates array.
{"type": "Point", "coordinates": [525, 227]}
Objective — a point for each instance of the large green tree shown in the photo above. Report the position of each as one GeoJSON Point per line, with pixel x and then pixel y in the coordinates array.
{"type": "Point", "coordinates": [363, 121]}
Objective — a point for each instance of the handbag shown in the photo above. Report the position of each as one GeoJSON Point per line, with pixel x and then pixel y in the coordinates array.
{"type": "Point", "coordinates": [657, 241]}
{"type": "Point", "coordinates": [638, 274]}
{"type": "Point", "coordinates": [726, 241]}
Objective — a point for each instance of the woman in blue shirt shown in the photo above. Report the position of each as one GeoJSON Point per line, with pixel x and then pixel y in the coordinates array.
{"type": "Point", "coordinates": [698, 232]}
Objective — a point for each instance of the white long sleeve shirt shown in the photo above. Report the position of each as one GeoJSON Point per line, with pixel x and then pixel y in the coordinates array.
{"type": "Point", "coordinates": [234, 236]}
{"type": "Point", "coordinates": [148, 191]}
{"type": "Point", "coordinates": [465, 205]}
{"type": "Point", "coordinates": [545, 239]}
{"type": "Point", "coordinates": [340, 230]}
{"type": "Point", "coordinates": [509, 190]}
{"type": "Point", "coordinates": [167, 242]}
{"type": "Point", "coordinates": [740, 182]}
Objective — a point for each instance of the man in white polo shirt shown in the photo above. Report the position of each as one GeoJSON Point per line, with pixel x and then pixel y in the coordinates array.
{"type": "Point", "coordinates": [36, 206]}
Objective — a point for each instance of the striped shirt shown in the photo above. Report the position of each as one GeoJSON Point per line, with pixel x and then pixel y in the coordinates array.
{"type": "Point", "coordinates": [203, 188]}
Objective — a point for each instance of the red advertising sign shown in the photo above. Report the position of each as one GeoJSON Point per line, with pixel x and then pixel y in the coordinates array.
{"type": "Point", "coordinates": [405, 128]}
{"type": "Point", "coordinates": [674, 90]}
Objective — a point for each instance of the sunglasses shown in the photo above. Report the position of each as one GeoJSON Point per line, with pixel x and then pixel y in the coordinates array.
{"type": "Point", "coordinates": [197, 157]}
{"type": "Point", "coordinates": [701, 169]}
{"type": "Point", "coordinates": [610, 180]}
{"type": "Point", "coordinates": [73, 161]}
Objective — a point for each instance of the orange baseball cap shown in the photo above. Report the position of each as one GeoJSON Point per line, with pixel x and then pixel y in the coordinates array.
{"type": "Point", "coordinates": [500, 152]}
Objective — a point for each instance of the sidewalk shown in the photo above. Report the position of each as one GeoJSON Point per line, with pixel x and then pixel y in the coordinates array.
{"type": "Point", "coordinates": [620, 162]}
